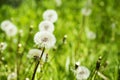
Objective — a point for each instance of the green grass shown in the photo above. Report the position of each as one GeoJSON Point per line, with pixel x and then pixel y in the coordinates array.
{"type": "Point", "coordinates": [77, 48]}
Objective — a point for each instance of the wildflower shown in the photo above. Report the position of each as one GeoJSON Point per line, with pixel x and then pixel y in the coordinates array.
{"type": "Point", "coordinates": [50, 15]}
{"type": "Point", "coordinates": [82, 73]}
{"type": "Point", "coordinates": [36, 53]}
{"type": "Point", "coordinates": [86, 11]}
{"type": "Point", "coordinates": [3, 46]}
{"type": "Point", "coordinates": [12, 76]}
{"type": "Point", "coordinates": [46, 26]}
{"type": "Point", "coordinates": [9, 28]}
{"type": "Point", "coordinates": [44, 39]}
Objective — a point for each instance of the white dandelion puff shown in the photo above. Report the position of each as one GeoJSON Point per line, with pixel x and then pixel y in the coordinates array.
{"type": "Point", "coordinates": [46, 26]}
{"type": "Point", "coordinates": [36, 53]}
{"type": "Point", "coordinates": [5, 24]}
{"type": "Point", "coordinates": [9, 28]}
{"type": "Point", "coordinates": [12, 76]}
{"type": "Point", "coordinates": [86, 11]}
{"type": "Point", "coordinates": [91, 35]}
{"type": "Point", "coordinates": [44, 39]}
{"type": "Point", "coordinates": [11, 31]}
{"type": "Point", "coordinates": [82, 73]}
{"type": "Point", "coordinates": [50, 15]}
{"type": "Point", "coordinates": [3, 46]}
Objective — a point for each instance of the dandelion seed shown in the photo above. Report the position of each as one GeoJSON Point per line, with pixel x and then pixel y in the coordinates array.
{"type": "Point", "coordinates": [3, 46]}
{"type": "Point", "coordinates": [86, 11]}
{"type": "Point", "coordinates": [82, 73]}
{"type": "Point", "coordinates": [12, 76]}
{"type": "Point", "coordinates": [50, 15]}
{"type": "Point", "coordinates": [46, 26]}
{"type": "Point", "coordinates": [44, 39]}
{"type": "Point", "coordinates": [36, 53]}
{"type": "Point", "coordinates": [11, 31]}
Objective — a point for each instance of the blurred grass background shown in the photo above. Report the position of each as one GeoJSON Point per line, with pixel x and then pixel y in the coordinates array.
{"type": "Point", "coordinates": [105, 13]}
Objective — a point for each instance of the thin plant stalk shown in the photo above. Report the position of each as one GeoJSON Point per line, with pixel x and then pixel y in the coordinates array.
{"type": "Point", "coordinates": [35, 69]}
{"type": "Point", "coordinates": [17, 55]}
{"type": "Point", "coordinates": [21, 53]}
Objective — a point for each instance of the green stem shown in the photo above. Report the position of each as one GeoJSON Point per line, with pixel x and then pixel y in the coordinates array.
{"type": "Point", "coordinates": [93, 78]}
{"type": "Point", "coordinates": [18, 56]}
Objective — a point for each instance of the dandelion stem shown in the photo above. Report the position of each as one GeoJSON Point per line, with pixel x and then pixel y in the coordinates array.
{"type": "Point", "coordinates": [93, 78]}
{"type": "Point", "coordinates": [33, 76]}
{"type": "Point", "coordinates": [17, 55]}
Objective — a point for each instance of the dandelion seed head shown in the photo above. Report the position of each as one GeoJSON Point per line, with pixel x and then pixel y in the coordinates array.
{"type": "Point", "coordinates": [5, 24]}
{"type": "Point", "coordinates": [46, 26]}
{"type": "Point", "coordinates": [82, 73]}
{"type": "Point", "coordinates": [90, 34]}
{"type": "Point", "coordinates": [50, 15]}
{"type": "Point", "coordinates": [11, 31]}
{"type": "Point", "coordinates": [12, 76]}
{"type": "Point", "coordinates": [36, 53]}
{"type": "Point", "coordinates": [86, 11]}
{"type": "Point", "coordinates": [9, 28]}
{"type": "Point", "coordinates": [44, 39]}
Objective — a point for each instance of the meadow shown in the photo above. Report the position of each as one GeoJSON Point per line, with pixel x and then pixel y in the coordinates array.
{"type": "Point", "coordinates": [87, 33]}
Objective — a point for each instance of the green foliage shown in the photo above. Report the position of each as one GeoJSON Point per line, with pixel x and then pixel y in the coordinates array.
{"type": "Point", "coordinates": [78, 46]}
